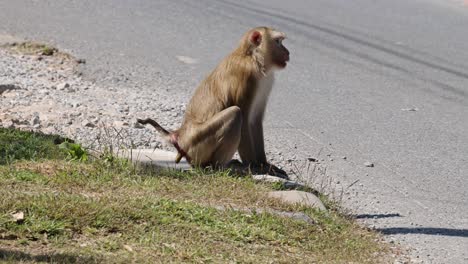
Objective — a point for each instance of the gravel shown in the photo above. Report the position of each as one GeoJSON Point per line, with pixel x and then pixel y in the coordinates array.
{"type": "Point", "coordinates": [49, 95]}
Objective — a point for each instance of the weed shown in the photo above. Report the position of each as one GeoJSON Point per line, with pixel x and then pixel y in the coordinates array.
{"type": "Point", "coordinates": [74, 151]}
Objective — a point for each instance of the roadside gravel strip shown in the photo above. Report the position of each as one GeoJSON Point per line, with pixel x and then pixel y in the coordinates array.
{"type": "Point", "coordinates": [47, 93]}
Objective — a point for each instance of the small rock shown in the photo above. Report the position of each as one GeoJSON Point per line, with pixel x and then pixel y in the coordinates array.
{"type": "Point", "coordinates": [344, 157]}
{"type": "Point", "coordinates": [35, 120]}
{"type": "Point", "coordinates": [75, 104]}
{"type": "Point", "coordinates": [63, 86]}
{"type": "Point", "coordinates": [124, 109]}
{"type": "Point", "coordinates": [8, 124]}
{"type": "Point", "coordinates": [80, 61]}
{"type": "Point", "coordinates": [87, 123]}
{"type": "Point", "coordinates": [155, 145]}
{"type": "Point", "coordinates": [312, 159]}
{"type": "Point", "coordinates": [18, 216]}
{"type": "Point", "coordinates": [299, 197]}
{"type": "Point", "coordinates": [268, 178]}
{"type": "Point", "coordinates": [369, 164]}
{"type": "Point", "coordinates": [19, 122]}
{"type": "Point", "coordinates": [288, 184]}
{"type": "Point", "coordinates": [120, 124]}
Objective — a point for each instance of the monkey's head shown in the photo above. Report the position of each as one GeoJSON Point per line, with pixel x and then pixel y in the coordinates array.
{"type": "Point", "coordinates": [268, 43]}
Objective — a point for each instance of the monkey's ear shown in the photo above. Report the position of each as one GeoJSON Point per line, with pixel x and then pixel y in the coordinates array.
{"type": "Point", "coordinates": [256, 38]}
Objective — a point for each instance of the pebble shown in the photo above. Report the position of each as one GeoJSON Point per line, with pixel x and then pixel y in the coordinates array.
{"type": "Point", "coordinates": [75, 104]}
{"type": "Point", "coordinates": [87, 123]}
{"type": "Point", "coordinates": [80, 61]}
{"type": "Point", "coordinates": [120, 124]}
{"type": "Point", "coordinates": [35, 120]}
{"type": "Point", "coordinates": [63, 86]}
{"type": "Point", "coordinates": [369, 164]}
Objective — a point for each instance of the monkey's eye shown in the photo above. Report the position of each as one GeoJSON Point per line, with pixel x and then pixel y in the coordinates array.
{"type": "Point", "coordinates": [279, 41]}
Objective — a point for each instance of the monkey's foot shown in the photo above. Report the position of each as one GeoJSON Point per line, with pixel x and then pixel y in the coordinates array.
{"type": "Point", "coordinates": [269, 169]}
{"type": "Point", "coordinates": [237, 167]}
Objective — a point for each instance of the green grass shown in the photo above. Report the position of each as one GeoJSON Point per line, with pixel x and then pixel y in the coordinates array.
{"type": "Point", "coordinates": [17, 145]}
{"type": "Point", "coordinates": [109, 211]}
{"type": "Point", "coordinates": [29, 48]}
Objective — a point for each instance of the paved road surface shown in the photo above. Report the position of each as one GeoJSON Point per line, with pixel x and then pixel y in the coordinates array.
{"type": "Point", "coordinates": [378, 81]}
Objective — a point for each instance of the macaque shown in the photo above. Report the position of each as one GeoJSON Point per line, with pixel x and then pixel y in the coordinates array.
{"type": "Point", "coordinates": [226, 112]}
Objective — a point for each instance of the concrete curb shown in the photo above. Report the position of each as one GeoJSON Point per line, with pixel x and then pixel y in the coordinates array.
{"type": "Point", "coordinates": [154, 157]}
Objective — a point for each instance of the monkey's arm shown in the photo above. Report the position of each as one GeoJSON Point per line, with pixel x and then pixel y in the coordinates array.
{"type": "Point", "coordinates": [246, 145]}
{"type": "Point", "coordinates": [252, 149]}
{"type": "Point", "coordinates": [261, 164]}
{"type": "Point", "coordinates": [258, 142]}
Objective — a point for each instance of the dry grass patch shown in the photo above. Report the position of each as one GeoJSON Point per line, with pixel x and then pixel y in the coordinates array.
{"type": "Point", "coordinates": [106, 210]}
{"type": "Point", "coordinates": [113, 211]}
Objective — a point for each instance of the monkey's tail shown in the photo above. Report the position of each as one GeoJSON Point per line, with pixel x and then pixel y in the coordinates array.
{"type": "Point", "coordinates": [155, 124]}
{"type": "Point", "coordinates": [168, 135]}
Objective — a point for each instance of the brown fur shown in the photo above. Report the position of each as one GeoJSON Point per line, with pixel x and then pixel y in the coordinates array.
{"type": "Point", "coordinates": [216, 118]}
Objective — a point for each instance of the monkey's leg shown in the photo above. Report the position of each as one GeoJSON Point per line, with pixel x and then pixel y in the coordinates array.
{"type": "Point", "coordinates": [214, 142]}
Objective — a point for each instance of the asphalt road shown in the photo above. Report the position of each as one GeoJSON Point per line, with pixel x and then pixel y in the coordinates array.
{"type": "Point", "coordinates": [378, 81]}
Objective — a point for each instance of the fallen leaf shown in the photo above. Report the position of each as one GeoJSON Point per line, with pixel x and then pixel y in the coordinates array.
{"type": "Point", "coordinates": [128, 248]}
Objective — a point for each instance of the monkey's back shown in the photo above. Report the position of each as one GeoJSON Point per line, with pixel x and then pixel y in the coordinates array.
{"type": "Point", "coordinates": [227, 84]}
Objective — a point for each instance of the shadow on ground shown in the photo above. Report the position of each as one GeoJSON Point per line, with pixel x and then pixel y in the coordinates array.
{"type": "Point", "coordinates": [424, 230]}
{"type": "Point", "coordinates": [15, 255]}
{"type": "Point", "coordinates": [375, 216]}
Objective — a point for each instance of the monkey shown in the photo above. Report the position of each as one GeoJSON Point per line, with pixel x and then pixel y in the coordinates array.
{"type": "Point", "coordinates": [225, 114]}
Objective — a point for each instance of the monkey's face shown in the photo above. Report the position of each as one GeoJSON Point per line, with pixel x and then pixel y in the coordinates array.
{"type": "Point", "coordinates": [279, 53]}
